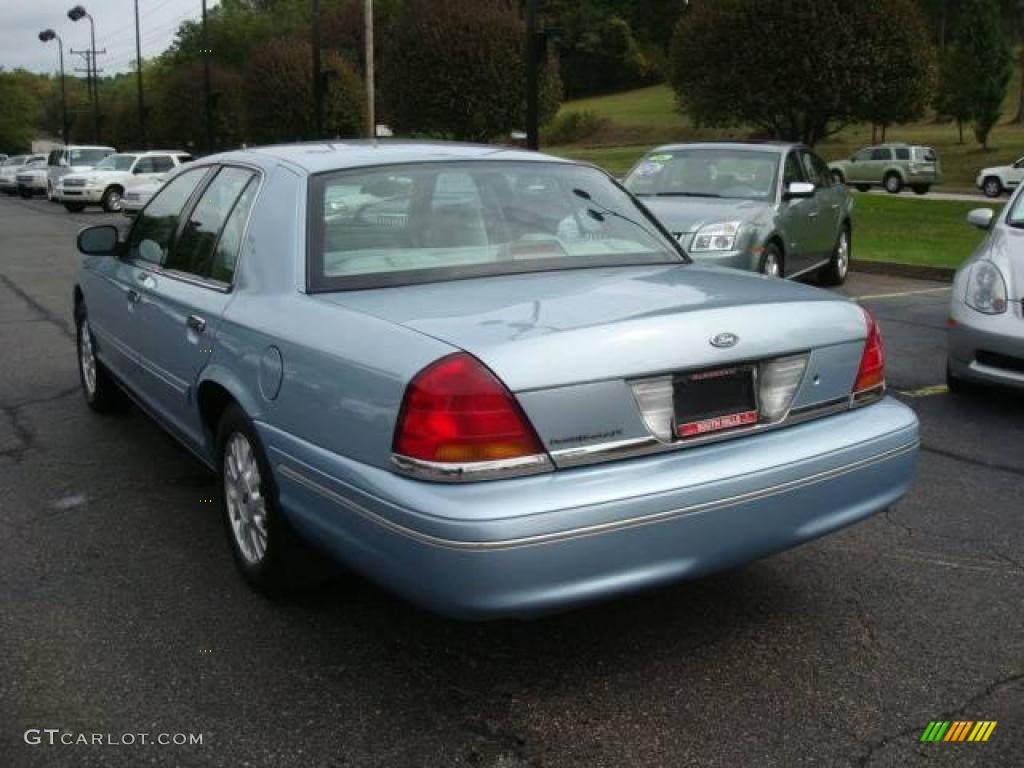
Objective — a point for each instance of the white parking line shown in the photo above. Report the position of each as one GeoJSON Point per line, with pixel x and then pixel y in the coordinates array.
{"type": "Point", "coordinates": [875, 296]}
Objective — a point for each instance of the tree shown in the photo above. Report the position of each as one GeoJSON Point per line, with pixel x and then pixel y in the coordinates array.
{"type": "Point", "coordinates": [981, 56]}
{"type": "Point", "coordinates": [17, 118]}
{"type": "Point", "coordinates": [454, 69]}
{"type": "Point", "coordinates": [279, 94]}
{"type": "Point", "coordinates": [825, 63]}
{"type": "Point", "coordinates": [953, 96]}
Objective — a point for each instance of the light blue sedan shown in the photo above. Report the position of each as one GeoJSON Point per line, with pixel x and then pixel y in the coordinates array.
{"type": "Point", "coordinates": [485, 378]}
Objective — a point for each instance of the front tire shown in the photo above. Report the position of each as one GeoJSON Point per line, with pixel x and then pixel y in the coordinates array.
{"type": "Point", "coordinates": [267, 552]}
{"type": "Point", "coordinates": [75, 207]}
{"type": "Point", "coordinates": [111, 200]}
{"type": "Point", "coordinates": [893, 183]}
{"type": "Point", "coordinates": [921, 189]}
{"type": "Point", "coordinates": [98, 387]}
{"type": "Point", "coordinates": [772, 264]}
{"type": "Point", "coordinates": [839, 265]}
{"type": "Point", "coordinates": [992, 187]}
{"type": "Point", "coordinates": [25, 193]}
{"type": "Point", "coordinates": [863, 187]}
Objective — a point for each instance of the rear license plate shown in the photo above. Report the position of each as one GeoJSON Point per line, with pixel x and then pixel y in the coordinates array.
{"type": "Point", "coordinates": [714, 400]}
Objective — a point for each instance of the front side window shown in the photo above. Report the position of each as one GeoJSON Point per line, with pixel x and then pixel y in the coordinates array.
{"type": "Point", "coordinates": [706, 172]}
{"type": "Point", "coordinates": [151, 237]}
{"type": "Point", "coordinates": [437, 221]}
{"type": "Point", "coordinates": [159, 164]}
{"type": "Point", "coordinates": [194, 251]}
{"type": "Point", "coordinates": [863, 156]}
{"type": "Point", "coordinates": [116, 163]}
{"type": "Point", "coordinates": [811, 171]}
{"type": "Point", "coordinates": [902, 153]}
{"type": "Point", "coordinates": [225, 256]}
{"type": "Point", "coordinates": [793, 172]}
{"type": "Point", "coordinates": [881, 153]}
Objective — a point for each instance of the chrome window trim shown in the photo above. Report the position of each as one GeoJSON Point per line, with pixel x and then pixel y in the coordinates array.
{"type": "Point", "coordinates": [598, 528]}
{"type": "Point", "coordinates": [472, 471]}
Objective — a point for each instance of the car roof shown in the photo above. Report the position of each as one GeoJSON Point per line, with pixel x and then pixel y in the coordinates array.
{"type": "Point", "coordinates": [321, 157]}
{"type": "Point", "coordinates": [777, 146]}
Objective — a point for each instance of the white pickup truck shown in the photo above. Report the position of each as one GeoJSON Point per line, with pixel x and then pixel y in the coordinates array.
{"type": "Point", "coordinates": [1001, 178]}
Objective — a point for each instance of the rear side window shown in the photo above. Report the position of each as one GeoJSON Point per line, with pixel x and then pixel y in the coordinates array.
{"type": "Point", "coordinates": [151, 237]}
{"type": "Point", "coordinates": [162, 163]}
{"type": "Point", "coordinates": [225, 256]}
{"type": "Point", "coordinates": [881, 153]}
{"type": "Point", "coordinates": [902, 153]}
{"type": "Point", "coordinates": [194, 251]}
{"type": "Point", "coordinates": [145, 165]}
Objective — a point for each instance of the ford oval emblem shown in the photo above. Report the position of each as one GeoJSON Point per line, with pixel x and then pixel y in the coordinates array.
{"type": "Point", "coordinates": [725, 340]}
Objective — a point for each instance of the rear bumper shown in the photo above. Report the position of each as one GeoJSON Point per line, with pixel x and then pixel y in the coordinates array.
{"type": "Point", "coordinates": [535, 544]}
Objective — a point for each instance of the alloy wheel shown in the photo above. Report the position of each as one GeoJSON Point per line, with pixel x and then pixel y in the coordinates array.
{"type": "Point", "coordinates": [87, 359]}
{"type": "Point", "coordinates": [771, 267]}
{"type": "Point", "coordinates": [843, 254]}
{"type": "Point", "coordinates": [243, 495]}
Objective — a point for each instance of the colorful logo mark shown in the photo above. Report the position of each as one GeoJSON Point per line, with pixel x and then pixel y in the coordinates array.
{"type": "Point", "coordinates": [958, 730]}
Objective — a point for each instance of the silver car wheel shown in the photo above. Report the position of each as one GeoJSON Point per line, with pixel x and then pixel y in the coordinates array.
{"type": "Point", "coordinates": [246, 506]}
{"type": "Point", "coordinates": [87, 359]}
{"type": "Point", "coordinates": [771, 265]}
{"type": "Point", "coordinates": [114, 200]}
{"type": "Point", "coordinates": [843, 254]}
{"type": "Point", "coordinates": [993, 188]}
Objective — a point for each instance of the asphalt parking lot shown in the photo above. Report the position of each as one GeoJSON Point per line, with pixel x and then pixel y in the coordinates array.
{"type": "Point", "coordinates": [120, 612]}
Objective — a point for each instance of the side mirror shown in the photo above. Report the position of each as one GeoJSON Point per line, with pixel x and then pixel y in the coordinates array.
{"type": "Point", "coordinates": [101, 240]}
{"type": "Point", "coordinates": [799, 189]}
{"type": "Point", "coordinates": [981, 218]}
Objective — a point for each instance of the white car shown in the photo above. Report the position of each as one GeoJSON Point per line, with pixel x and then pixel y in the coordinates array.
{"type": "Point", "coordinates": [1001, 178]}
{"type": "Point", "coordinates": [138, 194]}
{"type": "Point", "coordinates": [105, 184]}
{"type": "Point", "coordinates": [9, 171]}
{"type": "Point", "coordinates": [31, 178]}
{"type": "Point", "coordinates": [72, 159]}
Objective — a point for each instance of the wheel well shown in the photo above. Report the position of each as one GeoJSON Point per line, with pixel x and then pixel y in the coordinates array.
{"type": "Point", "coordinates": [993, 177]}
{"type": "Point", "coordinates": [118, 187]}
{"type": "Point", "coordinates": [212, 400]}
{"type": "Point", "coordinates": [893, 172]}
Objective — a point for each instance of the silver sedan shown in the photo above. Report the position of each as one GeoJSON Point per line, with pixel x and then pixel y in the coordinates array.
{"type": "Point", "coordinates": [986, 321]}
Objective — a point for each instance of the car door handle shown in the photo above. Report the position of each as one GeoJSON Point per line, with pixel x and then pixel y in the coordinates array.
{"type": "Point", "coordinates": [196, 323]}
{"type": "Point", "coordinates": [812, 215]}
{"type": "Point", "coordinates": [145, 279]}
{"type": "Point", "coordinates": [134, 296]}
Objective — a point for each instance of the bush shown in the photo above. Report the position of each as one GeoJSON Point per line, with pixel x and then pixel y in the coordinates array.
{"type": "Point", "coordinates": [571, 127]}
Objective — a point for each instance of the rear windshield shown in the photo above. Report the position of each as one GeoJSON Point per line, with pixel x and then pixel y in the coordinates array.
{"type": "Point", "coordinates": [428, 222]}
{"type": "Point", "coordinates": [924, 154]}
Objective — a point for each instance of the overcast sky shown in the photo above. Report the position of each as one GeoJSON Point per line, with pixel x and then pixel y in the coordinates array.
{"type": "Point", "coordinates": [115, 31]}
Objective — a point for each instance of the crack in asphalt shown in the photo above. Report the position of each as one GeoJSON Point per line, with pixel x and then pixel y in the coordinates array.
{"type": "Point", "coordinates": [22, 434]}
{"type": "Point", "coordinates": [45, 313]}
{"type": "Point", "coordinates": [973, 461]}
{"type": "Point", "coordinates": [988, 691]}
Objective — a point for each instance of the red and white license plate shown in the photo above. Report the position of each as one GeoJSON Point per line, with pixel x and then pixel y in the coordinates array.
{"type": "Point", "coordinates": [717, 424]}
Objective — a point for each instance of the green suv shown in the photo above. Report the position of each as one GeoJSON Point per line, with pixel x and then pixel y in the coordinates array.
{"type": "Point", "coordinates": [892, 166]}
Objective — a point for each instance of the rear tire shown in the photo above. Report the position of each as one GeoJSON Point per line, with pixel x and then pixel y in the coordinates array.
{"type": "Point", "coordinates": [992, 187]}
{"type": "Point", "coordinates": [25, 193]}
{"type": "Point", "coordinates": [772, 263]}
{"type": "Point", "coordinates": [921, 189]}
{"type": "Point", "coordinates": [956, 385]}
{"type": "Point", "coordinates": [75, 207]}
{"type": "Point", "coordinates": [836, 270]}
{"type": "Point", "coordinates": [862, 187]}
{"type": "Point", "coordinates": [268, 553]}
{"type": "Point", "coordinates": [893, 183]}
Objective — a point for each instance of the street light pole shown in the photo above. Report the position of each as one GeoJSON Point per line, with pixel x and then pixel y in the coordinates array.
{"type": "Point", "coordinates": [532, 75]}
{"type": "Point", "coordinates": [75, 14]}
{"type": "Point", "coordinates": [371, 100]}
{"type": "Point", "coordinates": [207, 96]}
{"type": "Point", "coordinates": [46, 35]}
{"type": "Point", "coordinates": [138, 70]}
{"type": "Point", "coordinates": [318, 91]}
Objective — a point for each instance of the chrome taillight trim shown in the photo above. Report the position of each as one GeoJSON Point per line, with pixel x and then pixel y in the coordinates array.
{"type": "Point", "coordinates": [472, 471]}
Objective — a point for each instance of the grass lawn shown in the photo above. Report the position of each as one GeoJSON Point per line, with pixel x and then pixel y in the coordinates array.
{"type": "Point", "coordinates": [913, 231]}
{"type": "Point", "coordinates": [637, 120]}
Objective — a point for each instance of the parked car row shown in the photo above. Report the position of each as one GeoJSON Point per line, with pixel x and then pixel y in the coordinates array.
{"type": "Point", "coordinates": [80, 176]}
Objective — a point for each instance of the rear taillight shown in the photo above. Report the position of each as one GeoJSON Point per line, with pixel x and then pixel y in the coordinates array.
{"type": "Point", "coordinates": [457, 412]}
{"type": "Point", "coordinates": [871, 374]}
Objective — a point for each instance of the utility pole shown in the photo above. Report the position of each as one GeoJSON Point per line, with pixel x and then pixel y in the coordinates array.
{"type": "Point", "coordinates": [532, 75]}
{"type": "Point", "coordinates": [138, 70]}
{"type": "Point", "coordinates": [318, 91]}
{"type": "Point", "coordinates": [87, 55]}
{"type": "Point", "coordinates": [207, 97]}
{"type": "Point", "coordinates": [371, 100]}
